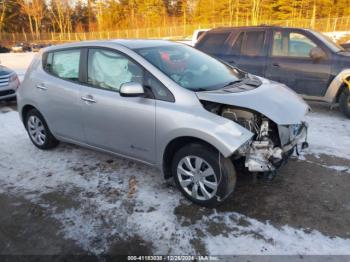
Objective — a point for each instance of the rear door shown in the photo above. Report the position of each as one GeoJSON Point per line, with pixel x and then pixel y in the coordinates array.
{"type": "Point", "coordinates": [57, 90]}
{"type": "Point", "coordinates": [248, 51]}
{"type": "Point", "coordinates": [289, 62]}
{"type": "Point", "coordinates": [253, 52]}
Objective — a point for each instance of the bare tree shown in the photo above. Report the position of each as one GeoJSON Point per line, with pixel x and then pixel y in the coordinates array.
{"type": "Point", "coordinates": [34, 10]}
{"type": "Point", "coordinates": [2, 15]}
{"type": "Point", "coordinates": [61, 15]}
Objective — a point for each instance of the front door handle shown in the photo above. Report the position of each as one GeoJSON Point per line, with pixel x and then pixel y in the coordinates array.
{"type": "Point", "coordinates": [42, 87]}
{"type": "Point", "coordinates": [88, 99]}
{"type": "Point", "coordinates": [275, 65]}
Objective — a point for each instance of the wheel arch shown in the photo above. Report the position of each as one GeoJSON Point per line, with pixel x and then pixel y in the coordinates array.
{"type": "Point", "coordinates": [174, 145]}
{"type": "Point", "coordinates": [25, 110]}
{"type": "Point", "coordinates": [336, 86]}
{"type": "Point", "coordinates": [340, 90]}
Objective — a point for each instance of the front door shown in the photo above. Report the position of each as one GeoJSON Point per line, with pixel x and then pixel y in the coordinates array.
{"type": "Point", "coordinates": [124, 125]}
{"type": "Point", "coordinates": [289, 63]}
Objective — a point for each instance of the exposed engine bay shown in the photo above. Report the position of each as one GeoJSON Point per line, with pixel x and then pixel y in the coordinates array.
{"type": "Point", "coordinates": [271, 144]}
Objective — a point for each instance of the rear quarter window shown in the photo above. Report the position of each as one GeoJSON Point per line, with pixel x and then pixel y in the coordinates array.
{"type": "Point", "coordinates": [213, 42]}
{"type": "Point", "coordinates": [63, 64]}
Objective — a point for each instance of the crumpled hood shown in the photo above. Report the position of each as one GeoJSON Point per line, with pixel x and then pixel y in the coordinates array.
{"type": "Point", "coordinates": [272, 99]}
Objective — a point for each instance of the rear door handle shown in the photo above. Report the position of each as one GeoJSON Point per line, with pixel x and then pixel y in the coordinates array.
{"type": "Point", "coordinates": [275, 65]}
{"type": "Point", "coordinates": [42, 87]}
{"type": "Point", "coordinates": [88, 99]}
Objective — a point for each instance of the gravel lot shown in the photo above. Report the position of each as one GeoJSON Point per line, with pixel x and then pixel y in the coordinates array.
{"type": "Point", "coordinates": [72, 200]}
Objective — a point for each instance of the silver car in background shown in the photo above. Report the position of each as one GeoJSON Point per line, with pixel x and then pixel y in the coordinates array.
{"type": "Point", "coordinates": [164, 104]}
{"type": "Point", "coordinates": [9, 83]}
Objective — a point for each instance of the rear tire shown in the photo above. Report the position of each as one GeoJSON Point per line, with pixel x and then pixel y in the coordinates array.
{"type": "Point", "coordinates": [200, 177]}
{"type": "Point", "coordinates": [38, 131]}
{"type": "Point", "coordinates": [344, 102]}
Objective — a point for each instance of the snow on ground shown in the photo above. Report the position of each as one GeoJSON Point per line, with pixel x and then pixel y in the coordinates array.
{"type": "Point", "coordinates": [260, 238]}
{"type": "Point", "coordinates": [329, 134]}
{"type": "Point", "coordinates": [17, 61]}
{"type": "Point", "coordinates": [101, 205]}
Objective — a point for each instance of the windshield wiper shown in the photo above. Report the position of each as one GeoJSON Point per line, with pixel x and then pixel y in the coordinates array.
{"type": "Point", "coordinates": [199, 89]}
{"type": "Point", "coordinates": [233, 82]}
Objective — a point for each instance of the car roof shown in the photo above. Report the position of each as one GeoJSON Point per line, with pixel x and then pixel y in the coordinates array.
{"type": "Point", "coordinates": [128, 43]}
{"type": "Point", "coordinates": [143, 43]}
{"type": "Point", "coordinates": [264, 27]}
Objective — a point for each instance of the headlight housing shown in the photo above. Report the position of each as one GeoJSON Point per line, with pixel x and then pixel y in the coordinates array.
{"type": "Point", "coordinates": [294, 130]}
{"type": "Point", "coordinates": [14, 79]}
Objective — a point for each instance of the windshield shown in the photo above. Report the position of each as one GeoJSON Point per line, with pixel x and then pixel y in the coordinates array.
{"type": "Point", "coordinates": [330, 44]}
{"type": "Point", "coordinates": [190, 68]}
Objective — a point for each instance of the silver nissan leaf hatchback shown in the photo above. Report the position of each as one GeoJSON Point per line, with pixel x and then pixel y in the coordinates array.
{"type": "Point", "coordinates": [164, 104]}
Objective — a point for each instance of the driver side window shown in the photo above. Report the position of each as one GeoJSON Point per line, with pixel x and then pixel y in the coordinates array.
{"type": "Point", "coordinates": [291, 44]}
{"type": "Point", "coordinates": [109, 70]}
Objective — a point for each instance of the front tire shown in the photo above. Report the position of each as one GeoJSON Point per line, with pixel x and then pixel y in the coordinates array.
{"type": "Point", "coordinates": [203, 175]}
{"type": "Point", "coordinates": [344, 102]}
{"type": "Point", "coordinates": [38, 131]}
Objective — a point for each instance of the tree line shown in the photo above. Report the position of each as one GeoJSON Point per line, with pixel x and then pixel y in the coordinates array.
{"type": "Point", "coordinates": [67, 16]}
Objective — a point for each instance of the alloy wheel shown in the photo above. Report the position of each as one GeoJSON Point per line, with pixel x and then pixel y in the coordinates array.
{"type": "Point", "coordinates": [197, 178]}
{"type": "Point", "coordinates": [36, 130]}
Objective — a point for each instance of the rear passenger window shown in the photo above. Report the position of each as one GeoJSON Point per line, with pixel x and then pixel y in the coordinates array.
{"type": "Point", "coordinates": [64, 64]}
{"type": "Point", "coordinates": [253, 44]}
{"type": "Point", "coordinates": [212, 43]}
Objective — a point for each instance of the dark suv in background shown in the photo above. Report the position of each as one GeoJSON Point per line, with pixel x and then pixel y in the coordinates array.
{"type": "Point", "coordinates": [306, 61]}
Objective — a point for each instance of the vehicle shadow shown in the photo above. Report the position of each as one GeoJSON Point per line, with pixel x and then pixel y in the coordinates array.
{"type": "Point", "coordinates": [8, 105]}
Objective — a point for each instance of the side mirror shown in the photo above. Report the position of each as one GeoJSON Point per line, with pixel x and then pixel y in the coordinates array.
{"type": "Point", "coordinates": [317, 53]}
{"type": "Point", "coordinates": [131, 89]}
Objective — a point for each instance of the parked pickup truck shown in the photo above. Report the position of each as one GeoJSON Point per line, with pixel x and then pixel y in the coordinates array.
{"type": "Point", "coordinates": [306, 61]}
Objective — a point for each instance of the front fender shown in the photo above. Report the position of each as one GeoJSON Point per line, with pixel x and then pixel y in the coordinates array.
{"type": "Point", "coordinates": [335, 85]}
{"type": "Point", "coordinates": [223, 134]}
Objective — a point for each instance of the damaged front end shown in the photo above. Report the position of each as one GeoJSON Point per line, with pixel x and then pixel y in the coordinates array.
{"type": "Point", "coordinates": [270, 146]}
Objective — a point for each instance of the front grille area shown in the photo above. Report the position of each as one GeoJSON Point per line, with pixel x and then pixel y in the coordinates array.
{"type": "Point", "coordinates": [4, 80]}
{"type": "Point", "coordinates": [7, 92]}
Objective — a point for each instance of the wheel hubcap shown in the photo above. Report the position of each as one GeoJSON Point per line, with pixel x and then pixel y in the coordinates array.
{"type": "Point", "coordinates": [197, 177]}
{"type": "Point", "coordinates": [36, 130]}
